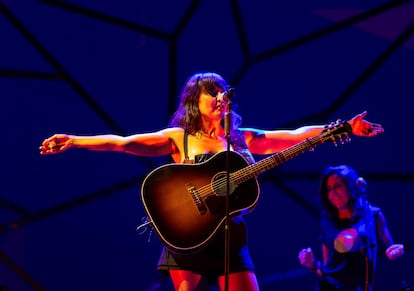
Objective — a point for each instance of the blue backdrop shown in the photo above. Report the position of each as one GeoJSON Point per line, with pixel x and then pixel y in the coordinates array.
{"type": "Point", "coordinates": [67, 221]}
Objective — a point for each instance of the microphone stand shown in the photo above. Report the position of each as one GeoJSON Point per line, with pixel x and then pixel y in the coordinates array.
{"type": "Point", "coordinates": [227, 129]}
{"type": "Point", "coordinates": [369, 244]}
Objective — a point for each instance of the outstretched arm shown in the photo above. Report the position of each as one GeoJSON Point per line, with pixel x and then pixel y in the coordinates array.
{"type": "Point", "coordinates": [272, 141]}
{"type": "Point", "coordinates": [148, 144]}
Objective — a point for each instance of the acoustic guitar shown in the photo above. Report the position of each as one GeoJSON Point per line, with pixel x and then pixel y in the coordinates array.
{"type": "Point", "coordinates": [186, 203]}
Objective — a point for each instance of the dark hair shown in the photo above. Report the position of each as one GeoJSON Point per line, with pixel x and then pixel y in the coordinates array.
{"type": "Point", "coordinates": [353, 184]}
{"type": "Point", "coordinates": [187, 114]}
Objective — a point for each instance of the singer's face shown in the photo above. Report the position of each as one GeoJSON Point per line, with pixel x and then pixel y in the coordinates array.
{"type": "Point", "coordinates": [211, 105]}
{"type": "Point", "coordinates": [337, 192]}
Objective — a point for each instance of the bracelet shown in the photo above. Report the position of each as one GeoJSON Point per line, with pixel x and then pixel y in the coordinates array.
{"type": "Point", "coordinates": [315, 265]}
{"type": "Point", "coordinates": [348, 127]}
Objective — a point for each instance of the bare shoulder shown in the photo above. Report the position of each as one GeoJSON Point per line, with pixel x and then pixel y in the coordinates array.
{"type": "Point", "coordinates": [251, 133]}
{"type": "Point", "coordinates": [176, 136]}
{"type": "Point", "coordinates": [173, 133]}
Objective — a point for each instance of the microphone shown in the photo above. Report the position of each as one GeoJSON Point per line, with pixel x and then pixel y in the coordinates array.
{"type": "Point", "coordinates": [230, 93]}
{"type": "Point", "coordinates": [228, 115]}
{"type": "Point", "coordinates": [226, 96]}
{"type": "Point", "coordinates": [361, 184]}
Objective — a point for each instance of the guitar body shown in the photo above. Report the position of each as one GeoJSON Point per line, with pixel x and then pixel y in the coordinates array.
{"type": "Point", "coordinates": [187, 202]}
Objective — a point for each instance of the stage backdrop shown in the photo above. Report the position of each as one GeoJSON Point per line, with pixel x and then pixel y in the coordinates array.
{"type": "Point", "coordinates": [68, 221]}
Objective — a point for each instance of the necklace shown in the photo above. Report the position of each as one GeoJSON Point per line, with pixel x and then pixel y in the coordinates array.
{"type": "Point", "coordinates": [209, 135]}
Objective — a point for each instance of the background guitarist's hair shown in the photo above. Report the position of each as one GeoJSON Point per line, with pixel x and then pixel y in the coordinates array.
{"type": "Point", "coordinates": [356, 185]}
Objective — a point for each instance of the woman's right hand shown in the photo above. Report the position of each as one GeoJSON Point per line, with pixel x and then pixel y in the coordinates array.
{"type": "Point", "coordinates": [56, 144]}
{"type": "Point", "coordinates": [306, 258]}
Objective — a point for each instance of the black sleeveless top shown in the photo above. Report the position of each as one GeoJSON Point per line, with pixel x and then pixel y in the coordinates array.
{"type": "Point", "coordinates": [209, 261]}
{"type": "Point", "coordinates": [348, 270]}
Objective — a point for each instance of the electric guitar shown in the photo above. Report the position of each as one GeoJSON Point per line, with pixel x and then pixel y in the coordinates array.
{"type": "Point", "coordinates": [186, 203]}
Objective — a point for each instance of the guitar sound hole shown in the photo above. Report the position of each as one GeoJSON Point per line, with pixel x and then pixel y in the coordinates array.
{"type": "Point", "coordinates": [220, 184]}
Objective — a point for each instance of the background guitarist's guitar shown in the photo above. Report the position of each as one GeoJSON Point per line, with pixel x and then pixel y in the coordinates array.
{"type": "Point", "coordinates": [186, 202]}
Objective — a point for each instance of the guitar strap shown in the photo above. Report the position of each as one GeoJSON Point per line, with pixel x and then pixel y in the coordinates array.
{"type": "Point", "coordinates": [236, 140]}
{"type": "Point", "coordinates": [186, 157]}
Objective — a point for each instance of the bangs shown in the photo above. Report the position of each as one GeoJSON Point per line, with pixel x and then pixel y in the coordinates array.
{"type": "Point", "coordinates": [210, 82]}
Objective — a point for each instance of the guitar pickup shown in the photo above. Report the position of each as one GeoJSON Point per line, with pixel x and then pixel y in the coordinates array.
{"type": "Point", "coordinates": [196, 198]}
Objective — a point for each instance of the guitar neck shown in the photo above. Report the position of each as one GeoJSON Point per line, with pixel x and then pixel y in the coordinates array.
{"type": "Point", "coordinates": [275, 160]}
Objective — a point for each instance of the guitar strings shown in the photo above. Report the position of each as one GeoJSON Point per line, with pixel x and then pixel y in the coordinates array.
{"type": "Point", "coordinates": [248, 172]}
{"type": "Point", "coordinates": [268, 163]}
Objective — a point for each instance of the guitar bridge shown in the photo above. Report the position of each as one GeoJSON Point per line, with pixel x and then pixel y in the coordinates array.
{"type": "Point", "coordinates": [196, 198]}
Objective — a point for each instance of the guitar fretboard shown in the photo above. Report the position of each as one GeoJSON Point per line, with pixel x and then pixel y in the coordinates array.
{"type": "Point", "coordinates": [279, 158]}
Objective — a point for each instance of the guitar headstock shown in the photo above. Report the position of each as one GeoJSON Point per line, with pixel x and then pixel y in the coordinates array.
{"type": "Point", "coordinates": [337, 131]}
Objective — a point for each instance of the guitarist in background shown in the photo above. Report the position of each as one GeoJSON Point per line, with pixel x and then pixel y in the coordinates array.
{"type": "Point", "coordinates": [352, 230]}
{"type": "Point", "coordinates": [195, 133]}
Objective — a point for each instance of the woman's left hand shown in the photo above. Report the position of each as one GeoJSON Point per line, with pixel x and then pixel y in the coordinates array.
{"type": "Point", "coordinates": [394, 251]}
{"type": "Point", "coordinates": [363, 127]}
